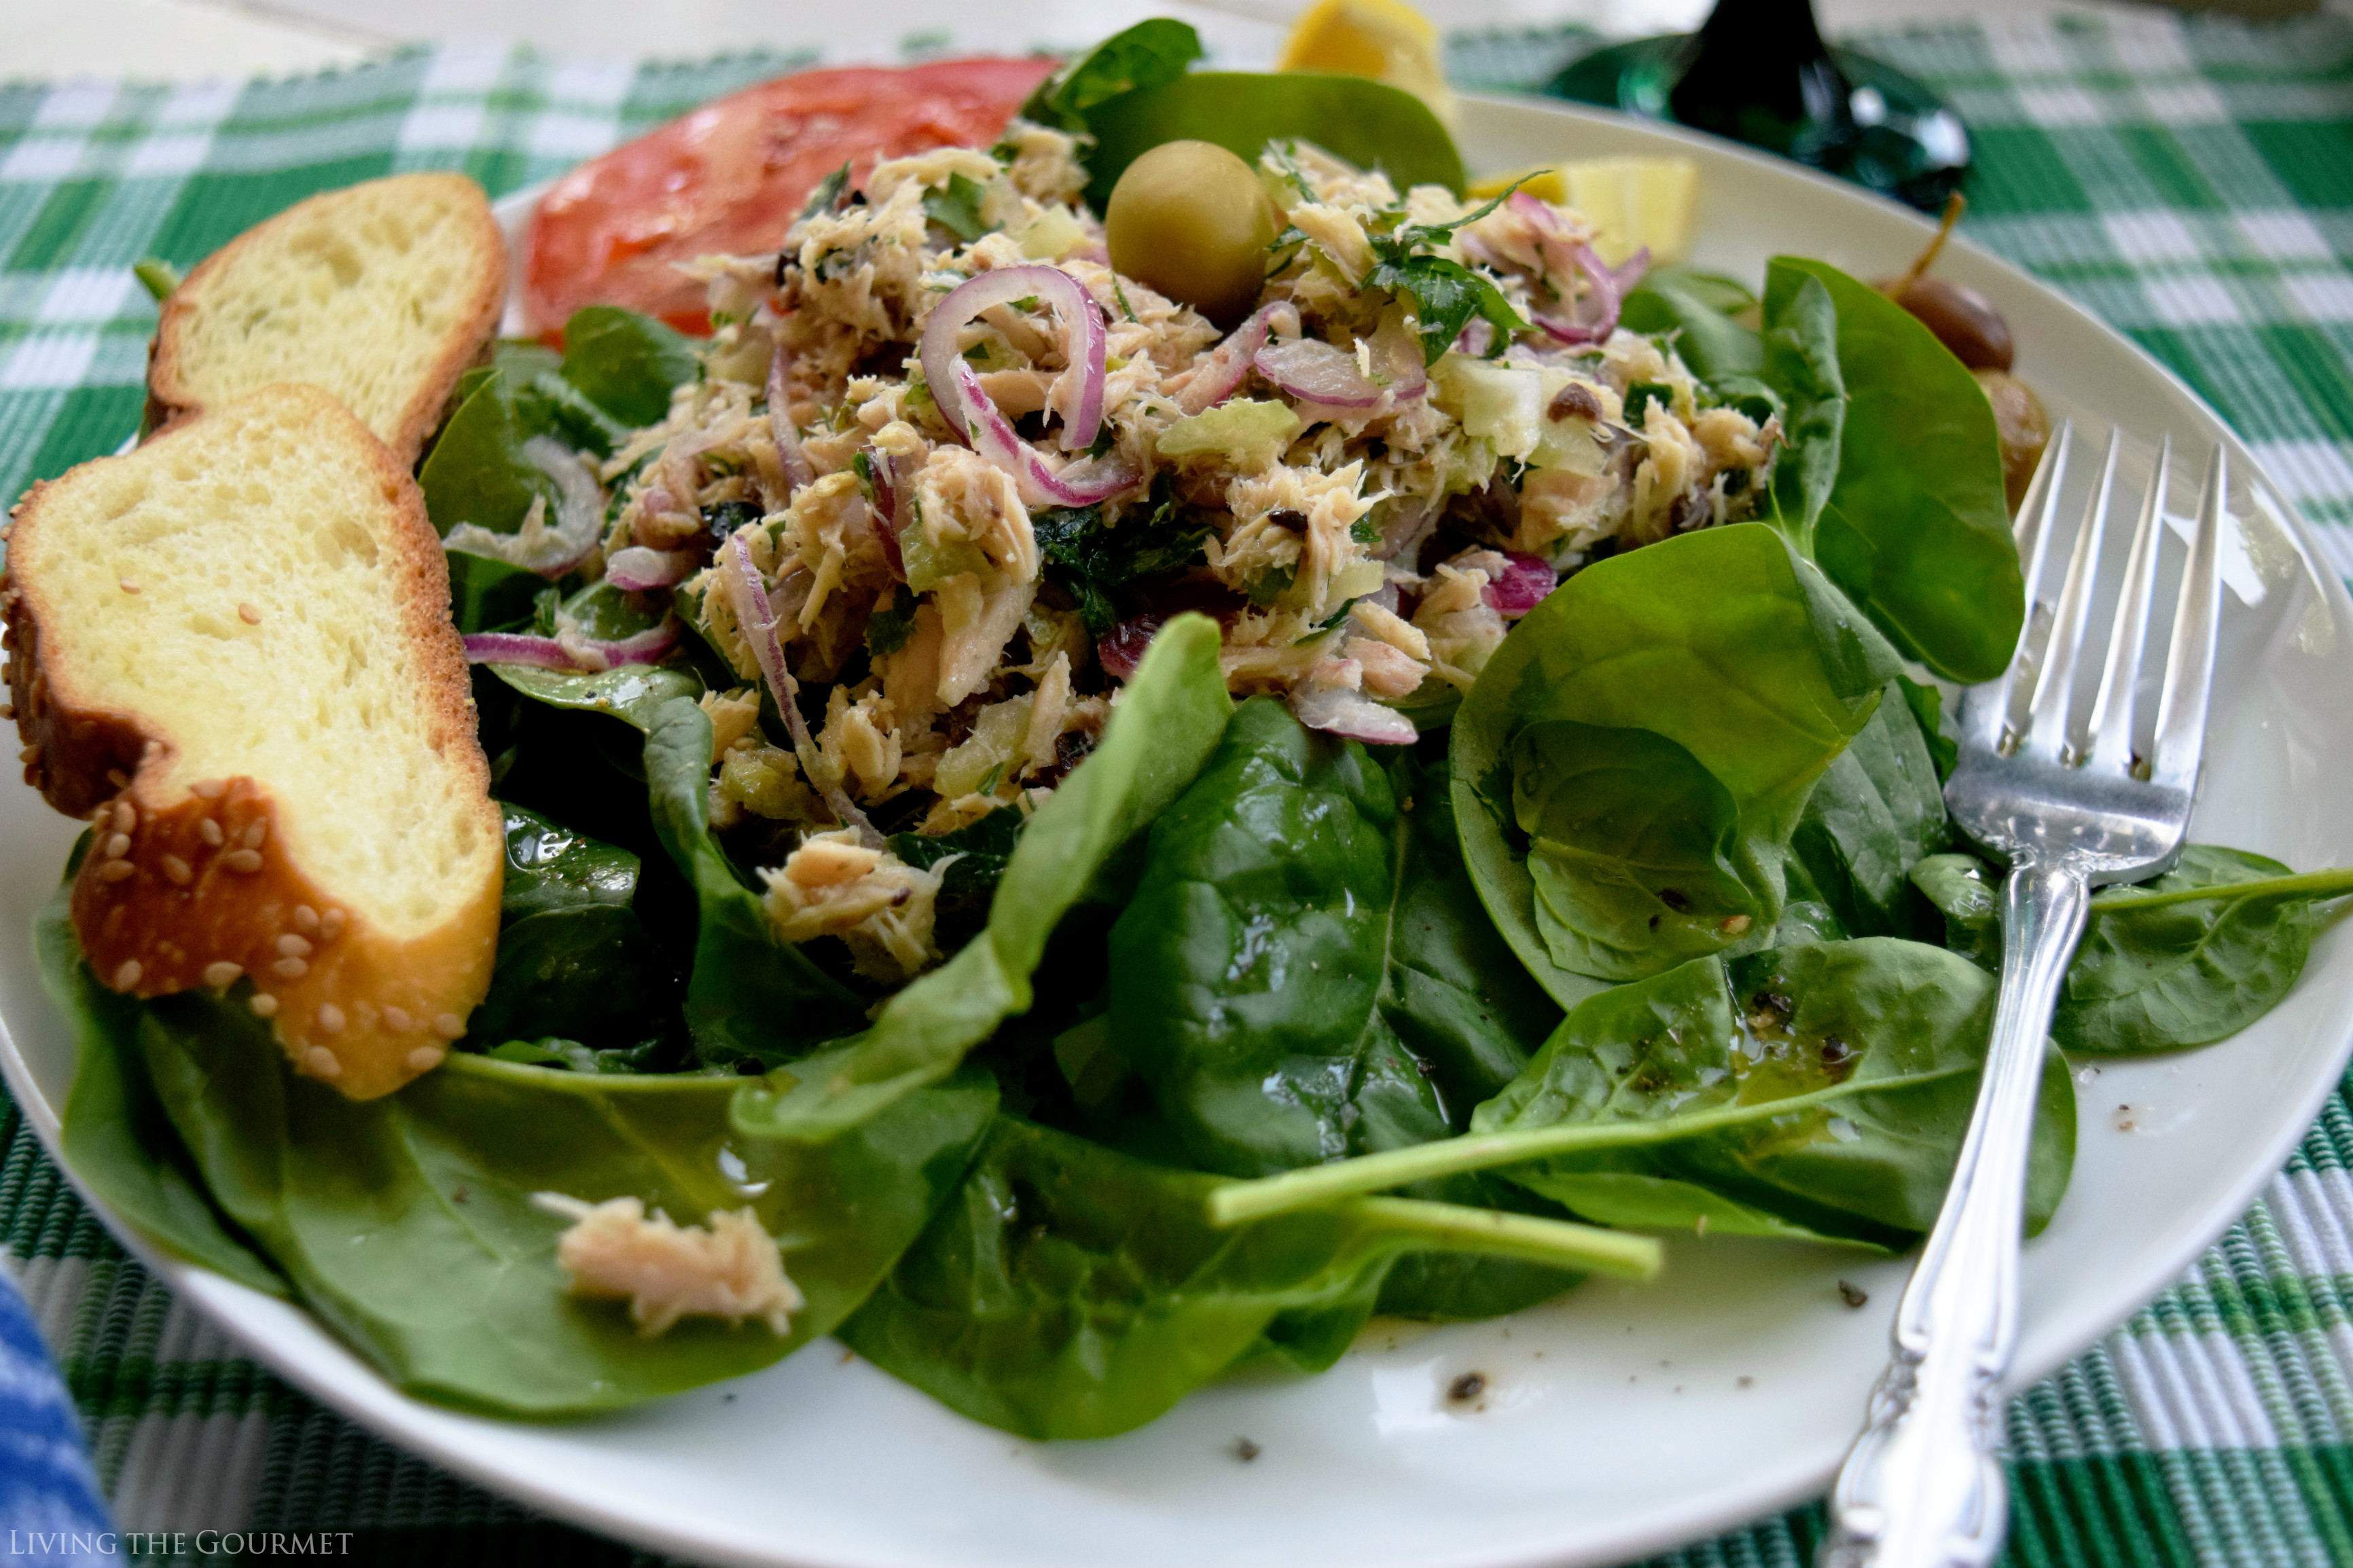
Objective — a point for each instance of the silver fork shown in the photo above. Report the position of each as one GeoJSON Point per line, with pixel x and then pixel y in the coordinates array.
{"type": "Point", "coordinates": [2070, 807]}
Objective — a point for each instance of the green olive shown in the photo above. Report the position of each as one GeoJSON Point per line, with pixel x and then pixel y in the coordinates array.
{"type": "Point", "coordinates": [1190, 219]}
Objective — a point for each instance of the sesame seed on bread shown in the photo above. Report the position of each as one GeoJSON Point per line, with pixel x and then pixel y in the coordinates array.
{"type": "Point", "coordinates": [383, 293]}
{"type": "Point", "coordinates": [231, 650]}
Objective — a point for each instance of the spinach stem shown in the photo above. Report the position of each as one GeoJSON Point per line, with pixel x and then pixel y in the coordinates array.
{"type": "Point", "coordinates": [1314, 1185]}
{"type": "Point", "coordinates": [1459, 1227]}
{"type": "Point", "coordinates": [2334, 883]}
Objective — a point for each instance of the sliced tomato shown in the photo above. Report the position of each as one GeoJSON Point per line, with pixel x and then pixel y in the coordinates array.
{"type": "Point", "coordinates": [733, 175]}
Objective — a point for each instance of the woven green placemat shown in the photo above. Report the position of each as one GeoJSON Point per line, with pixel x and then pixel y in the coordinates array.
{"type": "Point", "coordinates": [2190, 181]}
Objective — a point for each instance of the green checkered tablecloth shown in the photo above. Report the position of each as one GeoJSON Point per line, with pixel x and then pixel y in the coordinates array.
{"type": "Point", "coordinates": [2190, 181]}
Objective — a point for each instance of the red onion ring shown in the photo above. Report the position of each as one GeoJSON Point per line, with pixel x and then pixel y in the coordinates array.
{"type": "Point", "coordinates": [758, 619]}
{"type": "Point", "coordinates": [1594, 315]}
{"type": "Point", "coordinates": [1228, 364]}
{"type": "Point", "coordinates": [638, 569]}
{"type": "Point", "coordinates": [1083, 348]}
{"type": "Point", "coordinates": [547, 653]}
{"type": "Point", "coordinates": [1339, 712]}
{"type": "Point", "coordinates": [1082, 483]}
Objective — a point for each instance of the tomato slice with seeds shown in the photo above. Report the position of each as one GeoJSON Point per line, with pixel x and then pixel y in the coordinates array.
{"type": "Point", "coordinates": [730, 177]}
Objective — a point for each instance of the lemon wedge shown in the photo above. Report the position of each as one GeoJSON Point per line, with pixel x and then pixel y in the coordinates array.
{"type": "Point", "coordinates": [1384, 39]}
{"type": "Point", "coordinates": [1632, 202]}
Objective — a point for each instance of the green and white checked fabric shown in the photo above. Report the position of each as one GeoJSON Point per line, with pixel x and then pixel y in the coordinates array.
{"type": "Point", "coordinates": [2190, 181]}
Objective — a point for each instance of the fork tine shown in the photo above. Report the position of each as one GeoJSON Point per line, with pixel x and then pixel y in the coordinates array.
{"type": "Point", "coordinates": [2189, 666]}
{"type": "Point", "coordinates": [2045, 729]}
{"type": "Point", "coordinates": [1989, 712]}
{"type": "Point", "coordinates": [2112, 715]}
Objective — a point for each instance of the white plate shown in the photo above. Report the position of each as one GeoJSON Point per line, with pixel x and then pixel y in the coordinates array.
{"type": "Point", "coordinates": [1620, 1421]}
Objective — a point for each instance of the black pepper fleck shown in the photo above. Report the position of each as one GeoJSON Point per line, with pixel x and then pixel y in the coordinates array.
{"type": "Point", "coordinates": [1469, 1386]}
{"type": "Point", "coordinates": [1853, 1295]}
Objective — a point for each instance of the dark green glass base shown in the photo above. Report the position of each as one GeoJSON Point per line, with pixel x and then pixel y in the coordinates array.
{"type": "Point", "coordinates": [1895, 136]}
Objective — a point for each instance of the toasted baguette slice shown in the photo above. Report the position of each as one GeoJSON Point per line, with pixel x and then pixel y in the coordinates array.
{"type": "Point", "coordinates": [383, 293]}
{"type": "Point", "coordinates": [232, 651]}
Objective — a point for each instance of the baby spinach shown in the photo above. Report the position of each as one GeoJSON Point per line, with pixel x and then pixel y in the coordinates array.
{"type": "Point", "coordinates": [1305, 973]}
{"type": "Point", "coordinates": [485, 593]}
{"type": "Point", "coordinates": [591, 973]}
{"type": "Point", "coordinates": [1801, 364]}
{"type": "Point", "coordinates": [1069, 1291]}
{"type": "Point", "coordinates": [476, 471]}
{"type": "Point", "coordinates": [2184, 959]}
{"type": "Point", "coordinates": [1878, 812]}
{"type": "Point", "coordinates": [1369, 123]}
{"type": "Point", "coordinates": [749, 994]}
{"type": "Point", "coordinates": [1820, 1090]}
{"type": "Point", "coordinates": [1890, 477]}
{"type": "Point", "coordinates": [550, 867]}
{"type": "Point", "coordinates": [1150, 54]}
{"type": "Point", "coordinates": [625, 363]}
{"type": "Point", "coordinates": [116, 1135]}
{"type": "Point", "coordinates": [1917, 529]}
{"type": "Point", "coordinates": [1167, 721]}
{"type": "Point", "coordinates": [1899, 1028]}
{"type": "Point", "coordinates": [1632, 763]}
{"type": "Point", "coordinates": [406, 1223]}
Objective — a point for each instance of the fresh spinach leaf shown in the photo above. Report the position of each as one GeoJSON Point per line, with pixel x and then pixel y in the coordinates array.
{"type": "Point", "coordinates": [1891, 1033]}
{"type": "Point", "coordinates": [590, 973]}
{"type": "Point", "coordinates": [2157, 976]}
{"type": "Point", "coordinates": [1633, 761]}
{"type": "Point", "coordinates": [1369, 123]}
{"type": "Point", "coordinates": [1802, 345]}
{"type": "Point", "coordinates": [116, 1135]}
{"type": "Point", "coordinates": [1927, 705]}
{"type": "Point", "coordinates": [1167, 721]}
{"type": "Point", "coordinates": [1878, 811]}
{"type": "Point", "coordinates": [485, 593]}
{"type": "Point", "coordinates": [749, 995]}
{"type": "Point", "coordinates": [1697, 309]}
{"type": "Point", "coordinates": [1069, 1291]}
{"type": "Point", "coordinates": [1305, 973]}
{"type": "Point", "coordinates": [406, 1223]}
{"type": "Point", "coordinates": [1917, 529]}
{"type": "Point", "coordinates": [476, 472]}
{"type": "Point", "coordinates": [550, 867]}
{"type": "Point", "coordinates": [1097, 565]}
{"type": "Point", "coordinates": [626, 363]}
{"type": "Point", "coordinates": [981, 849]}
{"type": "Point", "coordinates": [1150, 54]}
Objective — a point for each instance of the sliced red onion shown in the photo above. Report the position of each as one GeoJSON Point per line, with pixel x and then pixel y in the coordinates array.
{"type": "Point", "coordinates": [1228, 364]}
{"type": "Point", "coordinates": [758, 619]}
{"type": "Point", "coordinates": [884, 470]}
{"type": "Point", "coordinates": [1082, 483]}
{"type": "Point", "coordinates": [1077, 393]}
{"type": "Point", "coordinates": [573, 653]}
{"type": "Point", "coordinates": [1595, 315]}
{"type": "Point", "coordinates": [1315, 372]}
{"type": "Point", "coordinates": [1121, 648]}
{"type": "Point", "coordinates": [1339, 712]}
{"type": "Point", "coordinates": [789, 456]}
{"type": "Point", "coordinates": [1524, 582]}
{"type": "Point", "coordinates": [638, 569]}
{"type": "Point", "coordinates": [535, 547]}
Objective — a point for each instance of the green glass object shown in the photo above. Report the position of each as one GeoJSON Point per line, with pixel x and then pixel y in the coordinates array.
{"type": "Point", "coordinates": [1758, 72]}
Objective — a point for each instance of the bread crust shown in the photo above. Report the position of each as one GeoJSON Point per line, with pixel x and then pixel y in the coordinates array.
{"type": "Point", "coordinates": [185, 878]}
{"type": "Point", "coordinates": [170, 400]}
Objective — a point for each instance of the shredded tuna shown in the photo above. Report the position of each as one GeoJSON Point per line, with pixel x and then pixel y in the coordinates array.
{"type": "Point", "coordinates": [666, 1272]}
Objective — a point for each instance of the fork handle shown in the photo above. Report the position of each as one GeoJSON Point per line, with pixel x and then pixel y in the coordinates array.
{"type": "Point", "coordinates": [1921, 1487]}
